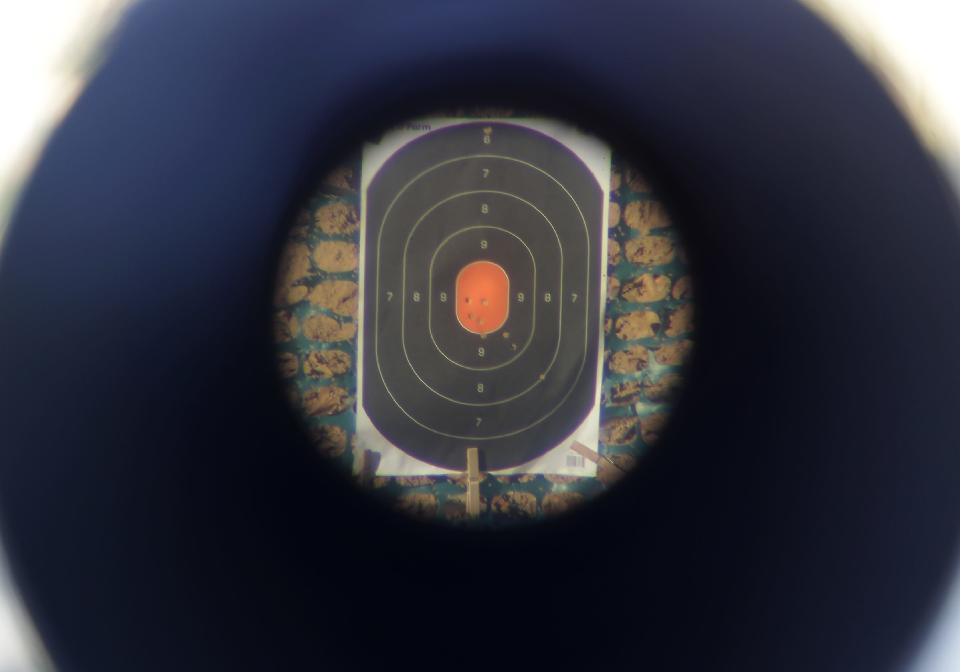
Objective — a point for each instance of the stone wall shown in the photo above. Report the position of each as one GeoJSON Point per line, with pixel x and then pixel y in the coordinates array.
{"type": "Point", "coordinates": [649, 336]}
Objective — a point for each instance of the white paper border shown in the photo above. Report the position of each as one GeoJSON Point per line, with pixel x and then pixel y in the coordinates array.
{"type": "Point", "coordinates": [596, 155]}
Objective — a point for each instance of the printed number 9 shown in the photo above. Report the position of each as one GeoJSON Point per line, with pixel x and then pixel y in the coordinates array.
{"type": "Point", "coordinates": [520, 297]}
{"type": "Point", "coordinates": [483, 244]}
{"type": "Point", "coordinates": [443, 297]}
{"type": "Point", "coordinates": [481, 352]}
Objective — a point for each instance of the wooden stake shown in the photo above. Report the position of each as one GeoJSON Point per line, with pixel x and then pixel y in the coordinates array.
{"type": "Point", "coordinates": [365, 466]}
{"type": "Point", "coordinates": [586, 452]}
{"type": "Point", "coordinates": [592, 455]}
{"type": "Point", "coordinates": [473, 483]}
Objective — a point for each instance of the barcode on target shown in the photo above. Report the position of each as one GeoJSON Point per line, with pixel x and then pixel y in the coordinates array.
{"type": "Point", "coordinates": [575, 460]}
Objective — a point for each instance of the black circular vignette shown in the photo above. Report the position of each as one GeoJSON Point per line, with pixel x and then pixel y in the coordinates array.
{"type": "Point", "coordinates": [797, 514]}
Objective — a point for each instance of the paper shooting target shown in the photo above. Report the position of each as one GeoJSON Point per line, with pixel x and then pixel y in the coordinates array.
{"type": "Point", "coordinates": [482, 276]}
{"type": "Point", "coordinates": [483, 281]}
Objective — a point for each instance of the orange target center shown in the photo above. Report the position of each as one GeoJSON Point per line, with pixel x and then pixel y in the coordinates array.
{"type": "Point", "coordinates": [482, 297]}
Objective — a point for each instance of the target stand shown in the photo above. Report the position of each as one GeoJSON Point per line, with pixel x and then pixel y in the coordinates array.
{"type": "Point", "coordinates": [482, 273]}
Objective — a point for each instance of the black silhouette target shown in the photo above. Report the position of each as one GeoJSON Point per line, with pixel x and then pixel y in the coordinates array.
{"type": "Point", "coordinates": [523, 202]}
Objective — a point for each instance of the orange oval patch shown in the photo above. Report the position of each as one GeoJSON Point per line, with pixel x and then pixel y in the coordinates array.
{"type": "Point", "coordinates": [482, 297]}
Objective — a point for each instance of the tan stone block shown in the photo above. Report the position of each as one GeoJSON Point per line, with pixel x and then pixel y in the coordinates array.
{"type": "Point", "coordinates": [614, 215]}
{"type": "Point", "coordinates": [556, 503]}
{"type": "Point", "coordinates": [339, 296]}
{"type": "Point", "coordinates": [414, 481]}
{"type": "Point", "coordinates": [664, 388]}
{"type": "Point", "coordinates": [285, 326]}
{"type": "Point", "coordinates": [650, 250]}
{"type": "Point", "coordinates": [673, 354]}
{"type": "Point", "coordinates": [614, 255]}
{"type": "Point", "coordinates": [644, 216]}
{"type": "Point", "coordinates": [646, 288]}
{"type": "Point", "coordinates": [335, 256]}
{"type": "Point", "coordinates": [562, 479]}
{"type": "Point", "coordinates": [640, 324]}
{"type": "Point", "coordinates": [460, 478]}
{"type": "Point", "coordinates": [636, 181]}
{"type": "Point", "coordinates": [294, 263]}
{"type": "Point", "coordinates": [328, 400]}
{"type": "Point", "coordinates": [680, 321]}
{"type": "Point", "coordinates": [287, 364]}
{"type": "Point", "coordinates": [341, 177]}
{"type": "Point", "coordinates": [329, 440]}
{"type": "Point", "coordinates": [633, 359]}
{"type": "Point", "coordinates": [337, 219]}
{"type": "Point", "coordinates": [294, 268]}
{"type": "Point", "coordinates": [683, 288]}
{"type": "Point", "coordinates": [619, 431]}
{"type": "Point", "coordinates": [327, 329]}
{"type": "Point", "coordinates": [613, 287]}
{"type": "Point", "coordinates": [295, 294]}
{"type": "Point", "coordinates": [301, 226]}
{"type": "Point", "coordinates": [515, 504]}
{"type": "Point", "coordinates": [625, 393]}
{"type": "Point", "coordinates": [615, 180]}
{"type": "Point", "coordinates": [515, 478]}
{"type": "Point", "coordinates": [326, 363]}
{"type": "Point", "coordinates": [454, 508]}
